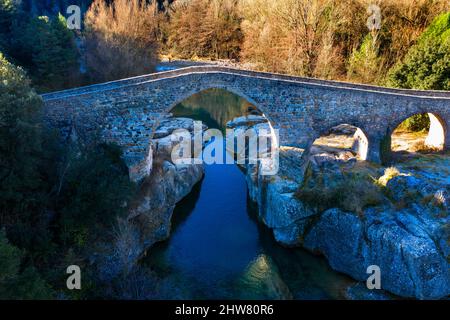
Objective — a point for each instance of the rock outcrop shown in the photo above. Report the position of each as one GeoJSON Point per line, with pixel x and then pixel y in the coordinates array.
{"type": "Point", "coordinates": [149, 219]}
{"type": "Point", "coordinates": [407, 235]}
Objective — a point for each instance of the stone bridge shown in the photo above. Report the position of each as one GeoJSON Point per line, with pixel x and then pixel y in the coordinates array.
{"type": "Point", "coordinates": [128, 111]}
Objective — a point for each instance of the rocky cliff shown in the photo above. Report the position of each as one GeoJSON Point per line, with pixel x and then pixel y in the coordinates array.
{"type": "Point", "coordinates": [358, 215]}
{"type": "Point", "coordinates": [149, 219]}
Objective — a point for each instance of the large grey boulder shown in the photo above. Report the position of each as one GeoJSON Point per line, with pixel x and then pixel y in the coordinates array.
{"type": "Point", "coordinates": [411, 263]}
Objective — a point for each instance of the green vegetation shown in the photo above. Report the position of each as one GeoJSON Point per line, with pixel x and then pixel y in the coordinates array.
{"type": "Point", "coordinates": [47, 48]}
{"type": "Point", "coordinates": [95, 192]}
{"type": "Point", "coordinates": [42, 45]}
{"type": "Point", "coordinates": [57, 201]}
{"type": "Point", "coordinates": [54, 201]}
{"type": "Point", "coordinates": [416, 123]}
{"type": "Point", "coordinates": [16, 280]}
{"type": "Point", "coordinates": [364, 63]}
{"type": "Point", "coordinates": [427, 64]}
{"type": "Point", "coordinates": [350, 191]}
{"type": "Point", "coordinates": [319, 38]}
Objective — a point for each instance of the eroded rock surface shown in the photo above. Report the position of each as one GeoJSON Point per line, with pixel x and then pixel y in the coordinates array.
{"type": "Point", "coordinates": [149, 219]}
{"type": "Point", "coordinates": [406, 231]}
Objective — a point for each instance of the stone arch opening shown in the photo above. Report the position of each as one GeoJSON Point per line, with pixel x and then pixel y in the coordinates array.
{"type": "Point", "coordinates": [216, 108]}
{"type": "Point", "coordinates": [343, 142]}
{"type": "Point", "coordinates": [418, 133]}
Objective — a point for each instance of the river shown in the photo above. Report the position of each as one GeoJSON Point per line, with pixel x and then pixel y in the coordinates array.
{"type": "Point", "coordinates": [218, 249]}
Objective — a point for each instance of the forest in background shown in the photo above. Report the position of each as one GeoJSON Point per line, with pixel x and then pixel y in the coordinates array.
{"type": "Point", "coordinates": [57, 201]}
{"type": "Point", "coordinates": [328, 39]}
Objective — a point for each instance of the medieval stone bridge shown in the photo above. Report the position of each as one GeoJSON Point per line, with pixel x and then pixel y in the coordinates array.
{"type": "Point", "coordinates": [128, 111]}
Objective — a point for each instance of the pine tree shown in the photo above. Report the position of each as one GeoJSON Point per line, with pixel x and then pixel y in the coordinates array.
{"type": "Point", "coordinates": [50, 50]}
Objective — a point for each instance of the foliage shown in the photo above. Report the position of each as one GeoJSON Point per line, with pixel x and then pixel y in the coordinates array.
{"type": "Point", "coordinates": [349, 191]}
{"type": "Point", "coordinates": [45, 198]}
{"type": "Point", "coordinates": [120, 39]}
{"type": "Point", "coordinates": [47, 48]}
{"type": "Point", "coordinates": [8, 9]}
{"type": "Point", "coordinates": [16, 283]}
{"type": "Point", "coordinates": [365, 62]}
{"type": "Point", "coordinates": [416, 123]}
{"type": "Point", "coordinates": [308, 38]}
{"type": "Point", "coordinates": [96, 191]}
{"type": "Point", "coordinates": [25, 183]}
{"type": "Point", "coordinates": [427, 64]}
{"type": "Point", "coordinates": [209, 29]}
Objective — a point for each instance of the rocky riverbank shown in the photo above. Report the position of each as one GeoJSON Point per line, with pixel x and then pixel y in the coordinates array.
{"type": "Point", "coordinates": [357, 214]}
{"type": "Point", "coordinates": [149, 219]}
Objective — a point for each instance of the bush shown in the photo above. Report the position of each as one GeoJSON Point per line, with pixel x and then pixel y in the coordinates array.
{"type": "Point", "coordinates": [47, 49]}
{"type": "Point", "coordinates": [15, 283]}
{"type": "Point", "coordinates": [416, 123]}
{"type": "Point", "coordinates": [207, 29]}
{"type": "Point", "coordinates": [389, 173]}
{"type": "Point", "coordinates": [350, 192]}
{"type": "Point", "coordinates": [120, 39]}
{"type": "Point", "coordinates": [96, 191]}
{"type": "Point", "coordinates": [427, 64]}
{"type": "Point", "coordinates": [26, 181]}
{"type": "Point", "coordinates": [364, 63]}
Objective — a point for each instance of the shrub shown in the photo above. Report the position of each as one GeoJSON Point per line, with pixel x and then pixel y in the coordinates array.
{"type": "Point", "coordinates": [26, 181]}
{"type": "Point", "coordinates": [427, 64]}
{"type": "Point", "coordinates": [206, 29]}
{"type": "Point", "coordinates": [416, 123]}
{"type": "Point", "coordinates": [389, 173]}
{"type": "Point", "coordinates": [95, 192]}
{"type": "Point", "coordinates": [365, 63]}
{"type": "Point", "coordinates": [349, 192]}
{"type": "Point", "coordinates": [120, 39]}
{"type": "Point", "coordinates": [46, 47]}
{"type": "Point", "coordinates": [16, 283]}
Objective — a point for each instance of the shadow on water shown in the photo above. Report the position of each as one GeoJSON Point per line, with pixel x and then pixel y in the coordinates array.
{"type": "Point", "coordinates": [217, 248]}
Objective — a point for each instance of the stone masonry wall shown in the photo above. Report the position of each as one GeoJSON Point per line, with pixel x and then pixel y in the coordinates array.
{"type": "Point", "coordinates": [128, 111]}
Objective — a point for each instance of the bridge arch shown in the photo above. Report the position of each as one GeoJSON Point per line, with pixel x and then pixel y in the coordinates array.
{"type": "Point", "coordinates": [219, 106]}
{"type": "Point", "coordinates": [343, 137]}
{"type": "Point", "coordinates": [236, 90]}
{"type": "Point", "coordinates": [436, 137]}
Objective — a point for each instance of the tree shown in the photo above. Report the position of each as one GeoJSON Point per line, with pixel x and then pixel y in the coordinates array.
{"type": "Point", "coordinates": [8, 9]}
{"type": "Point", "coordinates": [16, 283]}
{"type": "Point", "coordinates": [96, 191]}
{"type": "Point", "coordinates": [427, 64]}
{"type": "Point", "coordinates": [121, 39]}
{"type": "Point", "coordinates": [46, 47]}
{"type": "Point", "coordinates": [23, 161]}
{"type": "Point", "coordinates": [205, 29]}
{"type": "Point", "coordinates": [365, 63]}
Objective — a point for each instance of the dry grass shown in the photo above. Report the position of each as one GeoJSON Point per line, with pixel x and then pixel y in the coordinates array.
{"type": "Point", "coordinates": [351, 192]}
{"type": "Point", "coordinates": [389, 173]}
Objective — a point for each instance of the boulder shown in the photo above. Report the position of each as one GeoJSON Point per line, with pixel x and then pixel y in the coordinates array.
{"type": "Point", "coordinates": [411, 264]}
